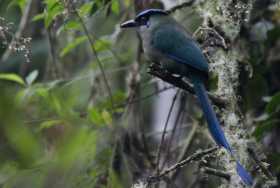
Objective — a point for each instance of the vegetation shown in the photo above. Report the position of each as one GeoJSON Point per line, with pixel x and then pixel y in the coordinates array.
{"type": "Point", "coordinates": [78, 107]}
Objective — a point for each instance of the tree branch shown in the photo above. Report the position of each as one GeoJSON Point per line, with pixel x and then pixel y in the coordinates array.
{"type": "Point", "coordinates": [157, 71]}
{"type": "Point", "coordinates": [216, 172]}
{"type": "Point", "coordinates": [196, 156]}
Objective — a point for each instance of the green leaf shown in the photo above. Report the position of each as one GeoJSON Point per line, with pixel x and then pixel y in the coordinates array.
{"type": "Point", "coordinates": [274, 104]}
{"type": "Point", "coordinates": [38, 17]}
{"type": "Point", "coordinates": [265, 127]}
{"type": "Point", "coordinates": [70, 25]}
{"type": "Point", "coordinates": [107, 117]}
{"type": "Point", "coordinates": [95, 116]}
{"type": "Point", "coordinates": [12, 77]}
{"type": "Point", "coordinates": [72, 45]}
{"type": "Point", "coordinates": [127, 3]}
{"type": "Point", "coordinates": [102, 44]}
{"type": "Point", "coordinates": [82, 141]}
{"type": "Point", "coordinates": [50, 123]}
{"type": "Point", "coordinates": [54, 8]}
{"type": "Point", "coordinates": [20, 3]}
{"type": "Point", "coordinates": [115, 7]}
{"type": "Point", "coordinates": [85, 9]}
{"type": "Point", "coordinates": [32, 77]}
{"type": "Point", "coordinates": [113, 179]}
{"type": "Point", "coordinates": [94, 8]}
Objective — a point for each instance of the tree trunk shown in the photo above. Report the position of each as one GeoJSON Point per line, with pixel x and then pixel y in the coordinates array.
{"type": "Point", "coordinates": [227, 18]}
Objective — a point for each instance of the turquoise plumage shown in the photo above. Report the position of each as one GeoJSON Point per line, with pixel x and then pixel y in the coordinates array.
{"type": "Point", "coordinates": [166, 42]}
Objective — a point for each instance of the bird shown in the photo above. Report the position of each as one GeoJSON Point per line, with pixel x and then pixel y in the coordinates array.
{"type": "Point", "coordinates": [167, 43]}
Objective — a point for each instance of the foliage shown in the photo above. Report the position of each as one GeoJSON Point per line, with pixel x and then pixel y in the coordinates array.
{"type": "Point", "coordinates": [58, 127]}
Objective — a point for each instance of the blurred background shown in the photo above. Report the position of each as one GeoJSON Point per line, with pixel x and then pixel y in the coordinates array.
{"type": "Point", "coordinates": [78, 108]}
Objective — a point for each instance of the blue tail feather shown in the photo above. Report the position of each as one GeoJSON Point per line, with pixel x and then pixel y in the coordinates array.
{"type": "Point", "coordinates": [242, 172]}
{"type": "Point", "coordinates": [215, 128]}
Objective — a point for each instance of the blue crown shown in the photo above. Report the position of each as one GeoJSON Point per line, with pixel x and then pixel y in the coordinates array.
{"type": "Point", "coordinates": [149, 12]}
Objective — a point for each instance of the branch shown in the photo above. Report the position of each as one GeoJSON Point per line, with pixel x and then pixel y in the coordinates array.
{"type": "Point", "coordinates": [186, 146]}
{"type": "Point", "coordinates": [157, 71]}
{"type": "Point", "coordinates": [18, 34]}
{"type": "Point", "coordinates": [176, 123]}
{"type": "Point", "coordinates": [260, 164]}
{"type": "Point", "coordinates": [216, 172]}
{"type": "Point", "coordinates": [99, 63]}
{"type": "Point", "coordinates": [164, 132]}
{"type": "Point", "coordinates": [196, 156]}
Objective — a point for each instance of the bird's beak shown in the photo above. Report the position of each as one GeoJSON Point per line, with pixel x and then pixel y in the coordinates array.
{"type": "Point", "coordinates": [129, 23]}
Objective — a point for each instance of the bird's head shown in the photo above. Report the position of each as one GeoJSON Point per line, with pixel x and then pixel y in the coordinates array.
{"type": "Point", "coordinates": [144, 18]}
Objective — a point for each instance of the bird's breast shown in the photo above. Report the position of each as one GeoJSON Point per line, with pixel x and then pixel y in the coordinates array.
{"type": "Point", "coordinates": [150, 52]}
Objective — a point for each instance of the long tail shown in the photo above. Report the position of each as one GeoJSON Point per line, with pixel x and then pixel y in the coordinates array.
{"type": "Point", "coordinates": [215, 128]}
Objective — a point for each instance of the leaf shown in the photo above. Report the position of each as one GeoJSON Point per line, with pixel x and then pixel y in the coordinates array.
{"type": "Point", "coordinates": [38, 17]}
{"type": "Point", "coordinates": [72, 45]}
{"type": "Point", "coordinates": [273, 35]}
{"type": "Point", "coordinates": [95, 116]}
{"type": "Point", "coordinates": [115, 7]}
{"type": "Point", "coordinates": [102, 44]}
{"type": "Point", "coordinates": [107, 117]}
{"type": "Point", "coordinates": [32, 77]}
{"type": "Point", "coordinates": [127, 3]}
{"type": "Point", "coordinates": [94, 8]}
{"type": "Point", "coordinates": [70, 25]}
{"type": "Point", "coordinates": [50, 123]}
{"type": "Point", "coordinates": [82, 141]}
{"type": "Point", "coordinates": [274, 104]}
{"type": "Point", "coordinates": [12, 77]}
{"type": "Point", "coordinates": [20, 3]}
{"type": "Point", "coordinates": [54, 8]}
{"type": "Point", "coordinates": [85, 9]}
{"type": "Point", "coordinates": [265, 127]}
{"type": "Point", "coordinates": [113, 179]}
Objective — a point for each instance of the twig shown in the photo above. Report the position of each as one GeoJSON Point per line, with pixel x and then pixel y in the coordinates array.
{"type": "Point", "coordinates": [144, 97]}
{"type": "Point", "coordinates": [181, 109]}
{"type": "Point", "coordinates": [54, 68]}
{"type": "Point", "coordinates": [216, 172]}
{"type": "Point", "coordinates": [152, 134]}
{"type": "Point", "coordinates": [183, 5]}
{"type": "Point", "coordinates": [164, 131]}
{"type": "Point", "coordinates": [159, 72]}
{"type": "Point", "coordinates": [194, 157]}
{"type": "Point", "coordinates": [18, 34]}
{"type": "Point", "coordinates": [99, 63]}
{"type": "Point", "coordinates": [260, 163]}
{"type": "Point", "coordinates": [186, 146]}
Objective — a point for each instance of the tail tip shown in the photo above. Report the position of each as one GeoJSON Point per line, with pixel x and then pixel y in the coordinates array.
{"type": "Point", "coordinates": [244, 175]}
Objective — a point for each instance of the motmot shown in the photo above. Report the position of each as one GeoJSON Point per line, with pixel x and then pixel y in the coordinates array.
{"type": "Point", "coordinates": [167, 43]}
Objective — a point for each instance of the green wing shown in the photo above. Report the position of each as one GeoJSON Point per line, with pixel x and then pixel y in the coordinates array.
{"type": "Point", "coordinates": [172, 42]}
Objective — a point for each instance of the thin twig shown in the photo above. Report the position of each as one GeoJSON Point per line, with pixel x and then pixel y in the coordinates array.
{"type": "Point", "coordinates": [155, 133]}
{"type": "Point", "coordinates": [180, 111]}
{"type": "Point", "coordinates": [18, 34]}
{"type": "Point", "coordinates": [260, 163]}
{"type": "Point", "coordinates": [196, 156]}
{"type": "Point", "coordinates": [99, 63]}
{"type": "Point", "coordinates": [54, 68]}
{"type": "Point", "coordinates": [144, 97]}
{"type": "Point", "coordinates": [164, 131]}
{"type": "Point", "coordinates": [216, 172]}
{"type": "Point", "coordinates": [186, 146]}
